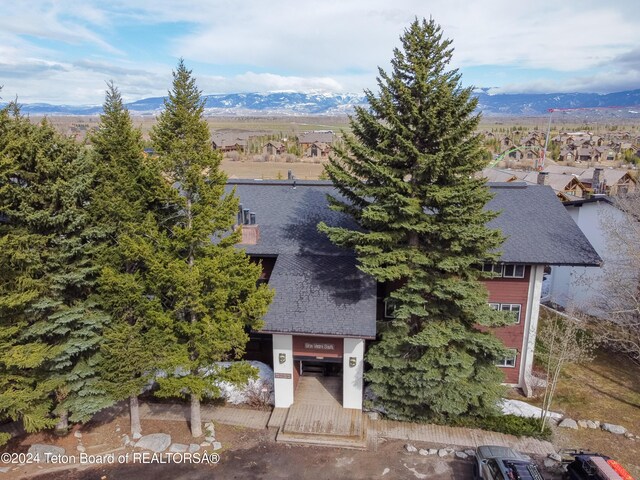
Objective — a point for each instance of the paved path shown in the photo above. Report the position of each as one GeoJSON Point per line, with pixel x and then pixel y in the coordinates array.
{"type": "Point", "coordinates": [431, 434]}
{"type": "Point", "coordinates": [458, 437]}
{"type": "Point", "coordinates": [241, 417]}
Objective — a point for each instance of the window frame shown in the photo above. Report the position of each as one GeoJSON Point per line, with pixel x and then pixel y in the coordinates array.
{"type": "Point", "coordinates": [504, 363]}
{"type": "Point", "coordinates": [389, 309]}
{"type": "Point", "coordinates": [515, 267]}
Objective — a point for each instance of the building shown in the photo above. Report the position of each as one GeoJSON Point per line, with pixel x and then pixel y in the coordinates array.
{"type": "Point", "coordinates": [325, 310]}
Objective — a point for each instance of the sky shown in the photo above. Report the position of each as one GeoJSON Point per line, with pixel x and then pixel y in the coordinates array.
{"type": "Point", "coordinates": [64, 51]}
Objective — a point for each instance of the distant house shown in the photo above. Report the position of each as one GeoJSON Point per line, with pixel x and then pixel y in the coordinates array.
{"type": "Point", "coordinates": [274, 148]}
{"type": "Point", "coordinates": [567, 187]}
{"type": "Point", "coordinates": [228, 143]}
{"type": "Point", "coordinates": [317, 149]}
{"type": "Point", "coordinates": [496, 175]}
{"type": "Point", "coordinates": [307, 139]}
{"type": "Point", "coordinates": [609, 181]}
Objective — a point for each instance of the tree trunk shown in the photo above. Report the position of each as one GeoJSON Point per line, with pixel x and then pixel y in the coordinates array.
{"type": "Point", "coordinates": [62, 427]}
{"type": "Point", "coordinates": [196, 421]}
{"type": "Point", "coordinates": [134, 416]}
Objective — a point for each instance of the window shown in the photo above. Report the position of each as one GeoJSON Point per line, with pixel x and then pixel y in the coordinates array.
{"type": "Point", "coordinates": [514, 308]}
{"type": "Point", "coordinates": [389, 309]}
{"type": "Point", "coordinates": [492, 267]}
{"type": "Point", "coordinates": [507, 270]}
{"type": "Point", "coordinates": [510, 270]}
{"type": "Point", "coordinates": [510, 360]}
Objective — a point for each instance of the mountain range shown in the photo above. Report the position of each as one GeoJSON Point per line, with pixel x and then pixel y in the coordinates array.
{"type": "Point", "coordinates": [298, 103]}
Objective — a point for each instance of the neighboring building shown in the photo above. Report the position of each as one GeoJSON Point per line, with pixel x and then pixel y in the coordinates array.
{"type": "Point", "coordinates": [318, 149]}
{"type": "Point", "coordinates": [306, 139]}
{"type": "Point", "coordinates": [579, 287]}
{"type": "Point", "coordinates": [274, 148]}
{"type": "Point", "coordinates": [325, 309]}
{"type": "Point", "coordinates": [228, 142]}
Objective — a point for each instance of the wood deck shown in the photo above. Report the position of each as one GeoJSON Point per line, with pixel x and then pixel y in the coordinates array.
{"type": "Point", "coordinates": [317, 417]}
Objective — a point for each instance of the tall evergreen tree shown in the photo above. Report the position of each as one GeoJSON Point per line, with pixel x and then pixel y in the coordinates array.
{"type": "Point", "coordinates": [206, 285]}
{"type": "Point", "coordinates": [128, 196]}
{"type": "Point", "coordinates": [52, 321]}
{"type": "Point", "coordinates": [408, 176]}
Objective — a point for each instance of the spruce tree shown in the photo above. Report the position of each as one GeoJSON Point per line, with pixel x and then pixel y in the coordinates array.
{"type": "Point", "coordinates": [206, 285]}
{"type": "Point", "coordinates": [128, 196]}
{"type": "Point", "coordinates": [51, 321]}
{"type": "Point", "coordinates": [407, 176]}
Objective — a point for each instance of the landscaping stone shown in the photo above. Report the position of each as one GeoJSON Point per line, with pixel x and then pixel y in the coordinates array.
{"type": "Point", "coordinates": [77, 434]}
{"type": "Point", "coordinates": [373, 415]}
{"type": "Point", "coordinates": [462, 455]}
{"type": "Point", "coordinates": [137, 436]}
{"type": "Point", "coordinates": [117, 429]}
{"type": "Point", "coordinates": [582, 423]}
{"type": "Point", "coordinates": [568, 423]}
{"type": "Point", "coordinates": [43, 450]}
{"type": "Point", "coordinates": [433, 451]}
{"type": "Point", "coordinates": [471, 453]}
{"type": "Point", "coordinates": [178, 448]}
{"type": "Point", "coordinates": [556, 457]}
{"type": "Point", "coordinates": [210, 430]}
{"type": "Point", "coordinates": [209, 439]}
{"type": "Point", "coordinates": [81, 449]}
{"type": "Point", "coordinates": [205, 444]}
{"type": "Point", "coordinates": [597, 422]}
{"type": "Point", "coordinates": [629, 435]}
{"type": "Point", "coordinates": [156, 442]}
{"type": "Point", "coordinates": [450, 450]}
{"type": "Point", "coordinates": [126, 441]}
{"type": "Point", "coordinates": [410, 448]}
{"type": "Point", "coordinates": [591, 424]}
{"type": "Point", "coordinates": [216, 446]}
{"type": "Point", "coordinates": [549, 462]}
{"type": "Point", "coordinates": [617, 429]}
{"type": "Point", "coordinates": [193, 447]}
{"type": "Point", "coordinates": [423, 452]}
{"type": "Point", "coordinates": [4, 469]}
{"type": "Point", "coordinates": [442, 452]}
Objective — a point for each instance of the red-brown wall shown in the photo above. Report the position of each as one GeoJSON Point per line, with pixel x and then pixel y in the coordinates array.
{"type": "Point", "coordinates": [511, 290]}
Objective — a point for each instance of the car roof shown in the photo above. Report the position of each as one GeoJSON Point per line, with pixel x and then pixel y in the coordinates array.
{"type": "Point", "coordinates": [495, 451]}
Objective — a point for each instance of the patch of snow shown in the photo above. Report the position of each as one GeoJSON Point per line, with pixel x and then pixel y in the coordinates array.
{"type": "Point", "coordinates": [523, 409]}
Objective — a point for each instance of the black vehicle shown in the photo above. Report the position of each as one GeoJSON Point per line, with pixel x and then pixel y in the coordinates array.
{"type": "Point", "coordinates": [502, 463]}
{"type": "Point", "coordinates": [593, 466]}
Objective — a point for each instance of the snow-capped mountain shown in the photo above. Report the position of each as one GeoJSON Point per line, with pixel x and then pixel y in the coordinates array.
{"type": "Point", "coordinates": [298, 103]}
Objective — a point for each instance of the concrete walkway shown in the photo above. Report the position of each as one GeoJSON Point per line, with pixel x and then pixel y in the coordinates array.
{"type": "Point", "coordinates": [414, 432]}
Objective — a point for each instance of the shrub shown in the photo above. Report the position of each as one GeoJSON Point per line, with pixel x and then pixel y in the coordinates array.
{"type": "Point", "coordinates": [509, 424]}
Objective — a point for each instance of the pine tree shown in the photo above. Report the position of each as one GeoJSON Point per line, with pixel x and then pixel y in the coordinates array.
{"type": "Point", "coordinates": [127, 198]}
{"type": "Point", "coordinates": [51, 322]}
{"type": "Point", "coordinates": [206, 285]}
{"type": "Point", "coordinates": [407, 177]}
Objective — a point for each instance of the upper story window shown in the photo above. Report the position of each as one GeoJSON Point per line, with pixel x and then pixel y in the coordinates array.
{"type": "Point", "coordinates": [389, 309]}
{"type": "Point", "coordinates": [513, 308]}
{"type": "Point", "coordinates": [506, 270]}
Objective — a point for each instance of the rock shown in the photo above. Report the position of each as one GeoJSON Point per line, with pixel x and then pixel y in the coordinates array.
{"type": "Point", "coordinates": [549, 463]}
{"type": "Point", "coordinates": [137, 436]}
{"type": "Point", "coordinates": [44, 450]}
{"type": "Point", "coordinates": [423, 452]}
{"type": "Point", "coordinates": [597, 422]}
{"type": "Point", "coordinates": [410, 448]}
{"type": "Point", "coordinates": [555, 457]}
{"type": "Point", "coordinates": [450, 450]}
{"type": "Point", "coordinates": [373, 416]}
{"type": "Point", "coordinates": [582, 423]}
{"type": "Point", "coordinates": [568, 423]}
{"type": "Point", "coordinates": [617, 429]}
{"type": "Point", "coordinates": [210, 429]}
{"type": "Point", "coordinates": [205, 444]}
{"type": "Point", "coordinates": [628, 435]}
{"type": "Point", "coordinates": [4, 469]}
{"type": "Point", "coordinates": [591, 424]}
{"type": "Point", "coordinates": [442, 452]}
{"type": "Point", "coordinates": [156, 442]}
{"type": "Point", "coordinates": [470, 453]}
{"type": "Point", "coordinates": [385, 471]}
{"type": "Point", "coordinates": [462, 455]}
{"type": "Point", "coordinates": [209, 439]}
{"type": "Point", "coordinates": [216, 446]}
{"type": "Point", "coordinates": [193, 447]}
{"type": "Point", "coordinates": [433, 451]}
{"type": "Point", "coordinates": [178, 448]}
{"type": "Point", "coordinates": [77, 434]}
{"type": "Point", "coordinates": [117, 429]}
{"type": "Point", "coordinates": [81, 449]}
{"type": "Point", "coordinates": [126, 441]}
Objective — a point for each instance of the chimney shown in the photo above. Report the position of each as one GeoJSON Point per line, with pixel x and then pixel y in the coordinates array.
{"type": "Point", "coordinates": [543, 178]}
{"type": "Point", "coordinates": [245, 216]}
{"type": "Point", "coordinates": [250, 233]}
{"type": "Point", "coordinates": [596, 182]}
{"type": "Point", "coordinates": [289, 175]}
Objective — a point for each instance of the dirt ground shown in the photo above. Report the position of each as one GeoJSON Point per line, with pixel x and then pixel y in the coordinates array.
{"type": "Point", "coordinates": [246, 454]}
{"type": "Point", "coordinates": [271, 170]}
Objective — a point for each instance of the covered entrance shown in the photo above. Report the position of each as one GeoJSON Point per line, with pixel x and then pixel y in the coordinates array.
{"type": "Point", "coordinates": [307, 368]}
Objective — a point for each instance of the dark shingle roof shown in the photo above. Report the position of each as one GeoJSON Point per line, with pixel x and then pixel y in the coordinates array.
{"type": "Point", "coordinates": [537, 227]}
{"type": "Point", "coordinates": [318, 287]}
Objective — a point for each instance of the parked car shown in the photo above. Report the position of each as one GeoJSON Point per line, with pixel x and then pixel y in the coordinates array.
{"type": "Point", "coordinates": [593, 466]}
{"type": "Point", "coordinates": [503, 463]}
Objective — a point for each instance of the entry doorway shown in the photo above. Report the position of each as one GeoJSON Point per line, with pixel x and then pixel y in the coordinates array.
{"type": "Point", "coordinates": [322, 368]}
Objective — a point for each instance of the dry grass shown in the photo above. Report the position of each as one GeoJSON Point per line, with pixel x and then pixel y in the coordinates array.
{"type": "Point", "coordinates": [271, 170]}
